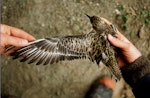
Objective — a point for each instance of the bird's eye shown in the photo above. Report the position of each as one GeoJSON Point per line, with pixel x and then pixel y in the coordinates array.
{"type": "Point", "coordinates": [94, 27]}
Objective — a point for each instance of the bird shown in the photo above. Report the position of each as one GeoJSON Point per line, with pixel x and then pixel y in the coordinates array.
{"type": "Point", "coordinates": [92, 45]}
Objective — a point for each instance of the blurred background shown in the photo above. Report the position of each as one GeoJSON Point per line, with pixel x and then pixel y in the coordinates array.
{"type": "Point", "coordinates": [47, 18]}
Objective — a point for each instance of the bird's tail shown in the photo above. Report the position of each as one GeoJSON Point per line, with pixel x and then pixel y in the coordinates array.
{"type": "Point", "coordinates": [115, 71]}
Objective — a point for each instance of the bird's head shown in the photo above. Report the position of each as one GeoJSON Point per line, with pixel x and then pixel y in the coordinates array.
{"type": "Point", "coordinates": [97, 23]}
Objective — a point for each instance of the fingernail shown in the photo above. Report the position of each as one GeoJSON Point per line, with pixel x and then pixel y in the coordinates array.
{"type": "Point", "coordinates": [24, 42]}
{"type": "Point", "coordinates": [110, 36]}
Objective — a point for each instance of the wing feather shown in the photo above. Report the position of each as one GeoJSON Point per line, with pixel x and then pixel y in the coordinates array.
{"type": "Point", "coordinates": [29, 55]}
{"type": "Point", "coordinates": [53, 50]}
{"type": "Point", "coordinates": [42, 57]}
{"type": "Point", "coordinates": [36, 55]}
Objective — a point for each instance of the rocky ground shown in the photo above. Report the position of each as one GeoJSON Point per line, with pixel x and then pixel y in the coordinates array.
{"type": "Point", "coordinates": [69, 79]}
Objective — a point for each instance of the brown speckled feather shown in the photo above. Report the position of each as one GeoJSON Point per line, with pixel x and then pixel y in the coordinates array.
{"type": "Point", "coordinates": [53, 50]}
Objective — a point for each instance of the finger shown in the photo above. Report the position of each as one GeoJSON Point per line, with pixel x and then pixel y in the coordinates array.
{"type": "Point", "coordinates": [120, 36]}
{"type": "Point", "coordinates": [20, 33]}
{"type": "Point", "coordinates": [4, 29]}
{"type": "Point", "coordinates": [11, 40]}
{"type": "Point", "coordinates": [118, 43]}
{"type": "Point", "coordinates": [15, 32]}
{"type": "Point", "coordinates": [109, 23]}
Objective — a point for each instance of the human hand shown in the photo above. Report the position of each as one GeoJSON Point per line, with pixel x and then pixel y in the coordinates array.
{"type": "Point", "coordinates": [128, 53]}
{"type": "Point", "coordinates": [11, 36]}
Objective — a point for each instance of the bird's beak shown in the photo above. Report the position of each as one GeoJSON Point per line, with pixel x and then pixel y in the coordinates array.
{"type": "Point", "coordinates": [88, 16]}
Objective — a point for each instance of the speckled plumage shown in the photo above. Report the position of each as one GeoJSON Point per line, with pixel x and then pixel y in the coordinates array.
{"type": "Point", "coordinates": [93, 45]}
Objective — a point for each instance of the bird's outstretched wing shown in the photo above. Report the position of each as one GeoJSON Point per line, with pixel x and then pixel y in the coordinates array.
{"type": "Point", "coordinates": [53, 50]}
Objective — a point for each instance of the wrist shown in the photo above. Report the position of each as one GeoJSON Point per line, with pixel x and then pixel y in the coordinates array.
{"type": "Point", "coordinates": [136, 70]}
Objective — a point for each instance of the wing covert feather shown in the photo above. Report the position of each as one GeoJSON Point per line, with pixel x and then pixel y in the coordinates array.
{"type": "Point", "coordinates": [53, 50]}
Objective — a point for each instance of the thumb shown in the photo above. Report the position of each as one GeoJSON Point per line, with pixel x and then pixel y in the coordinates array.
{"type": "Point", "coordinates": [117, 43]}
